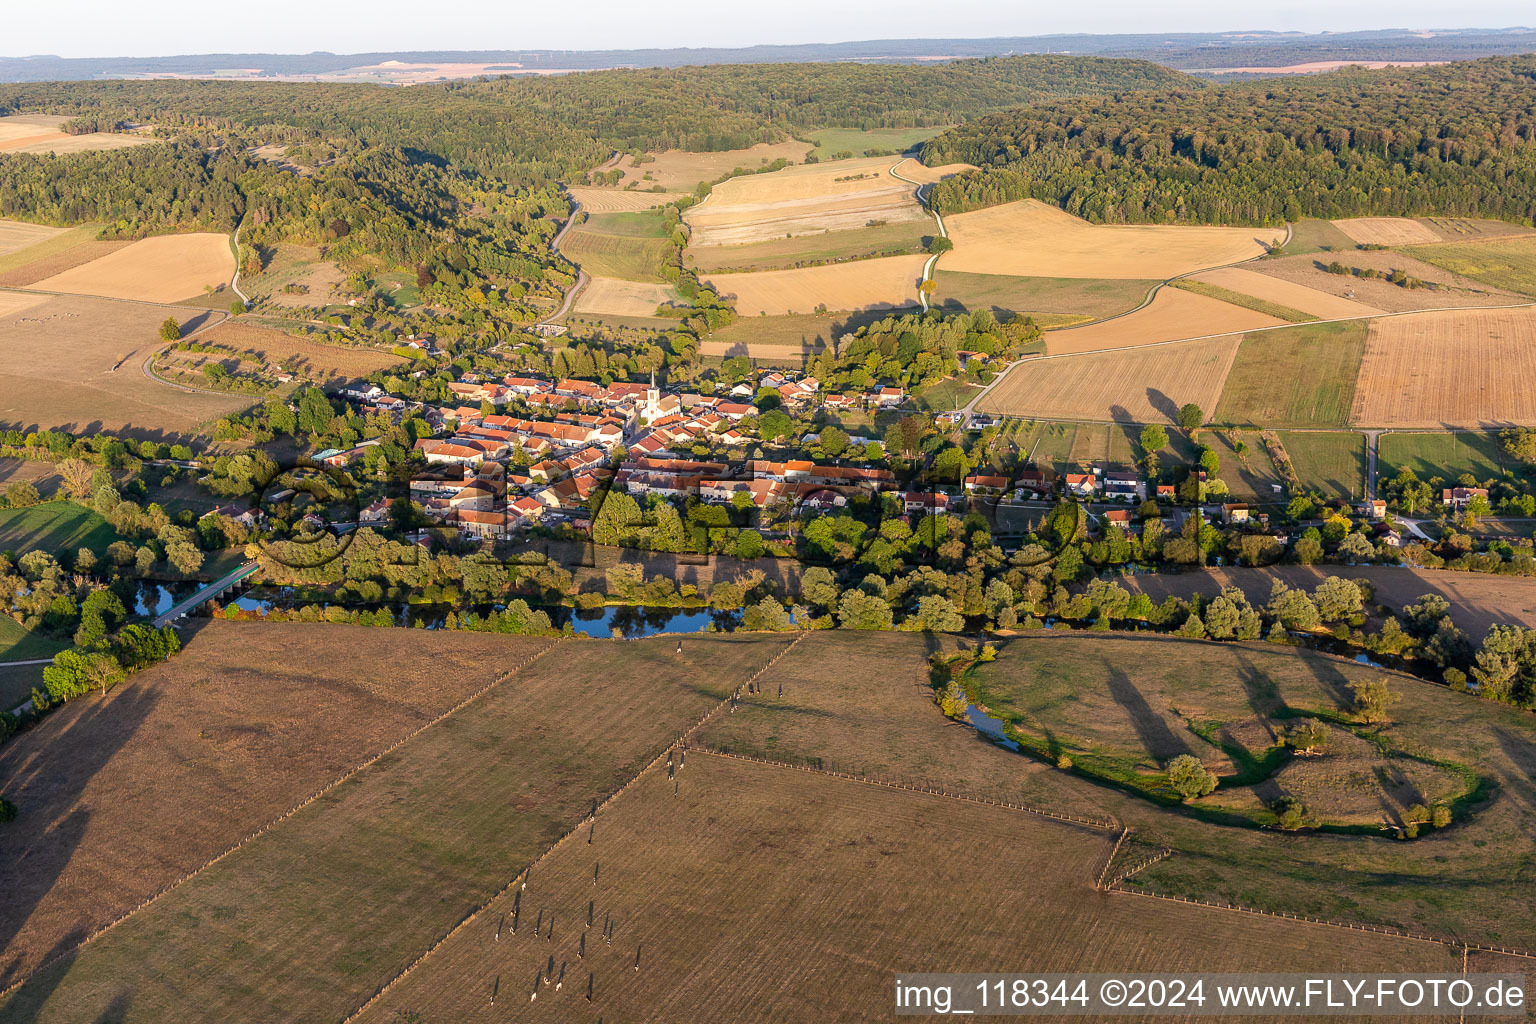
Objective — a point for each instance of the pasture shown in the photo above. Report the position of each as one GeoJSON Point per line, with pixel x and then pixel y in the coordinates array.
{"type": "Point", "coordinates": [334, 901]}
{"type": "Point", "coordinates": [315, 281]}
{"type": "Point", "coordinates": [74, 363]}
{"type": "Point", "coordinates": [889, 283]}
{"type": "Point", "coordinates": [1031, 239]}
{"type": "Point", "coordinates": [1446, 454]}
{"type": "Point", "coordinates": [629, 246]}
{"type": "Point", "coordinates": [1386, 230]}
{"type": "Point", "coordinates": [811, 199]}
{"type": "Point", "coordinates": [1173, 315]}
{"type": "Point", "coordinates": [1330, 461]}
{"type": "Point", "coordinates": [57, 527]}
{"type": "Point", "coordinates": [1145, 385]}
{"type": "Point", "coordinates": [1300, 377]}
{"type": "Point", "coordinates": [623, 298]}
{"type": "Point", "coordinates": [1507, 263]}
{"type": "Point", "coordinates": [1452, 369]}
{"type": "Point", "coordinates": [1448, 289]}
{"type": "Point", "coordinates": [167, 268]}
{"type": "Point", "coordinates": [607, 200]}
{"type": "Point", "coordinates": [1316, 236]}
{"type": "Point", "coordinates": [17, 643]}
{"type": "Point", "coordinates": [39, 133]}
{"type": "Point", "coordinates": [1309, 301]}
{"type": "Point", "coordinates": [678, 170]}
{"type": "Point", "coordinates": [830, 142]}
{"type": "Point", "coordinates": [1036, 296]}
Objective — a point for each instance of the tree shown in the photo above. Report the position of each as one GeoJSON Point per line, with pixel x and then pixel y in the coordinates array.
{"type": "Point", "coordinates": [77, 475]}
{"type": "Point", "coordinates": [1357, 547]}
{"type": "Point", "coordinates": [1189, 778]}
{"type": "Point", "coordinates": [1337, 598]}
{"type": "Point", "coordinates": [1191, 418]}
{"type": "Point", "coordinates": [236, 308]}
{"type": "Point", "coordinates": [1372, 698]}
{"type": "Point", "coordinates": [170, 329]}
{"type": "Point", "coordinates": [21, 493]}
{"type": "Point", "coordinates": [859, 609]}
{"type": "Point", "coordinates": [940, 244]}
{"type": "Point", "coordinates": [748, 544]}
{"type": "Point", "coordinates": [935, 614]}
{"type": "Point", "coordinates": [767, 614]}
{"type": "Point", "coordinates": [773, 425]}
{"type": "Point", "coordinates": [1153, 438]}
{"type": "Point", "coordinates": [1306, 735]}
{"type": "Point", "coordinates": [834, 441]}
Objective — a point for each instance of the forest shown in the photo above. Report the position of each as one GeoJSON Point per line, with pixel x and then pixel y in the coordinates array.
{"type": "Point", "coordinates": [1453, 140]}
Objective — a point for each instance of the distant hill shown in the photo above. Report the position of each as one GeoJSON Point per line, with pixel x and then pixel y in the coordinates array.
{"type": "Point", "coordinates": [1185, 51]}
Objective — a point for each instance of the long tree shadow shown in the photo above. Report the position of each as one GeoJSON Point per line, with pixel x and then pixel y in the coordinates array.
{"type": "Point", "coordinates": [1156, 738]}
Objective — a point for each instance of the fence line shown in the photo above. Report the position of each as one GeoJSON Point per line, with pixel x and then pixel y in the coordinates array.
{"type": "Point", "coordinates": [1110, 860]}
{"type": "Point", "coordinates": [869, 780]}
{"type": "Point", "coordinates": [470, 917]}
{"type": "Point", "coordinates": [1351, 926]}
{"type": "Point", "coordinates": [1162, 854]}
{"type": "Point", "coordinates": [264, 829]}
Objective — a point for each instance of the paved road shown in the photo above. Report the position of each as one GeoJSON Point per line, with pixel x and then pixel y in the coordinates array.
{"type": "Point", "coordinates": [235, 281]}
{"type": "Point", "coordinates": [943, 232]}
{"type": "Point", "coordinates": [32, 661]}
{"type": "Point", "coordinates": [581, 275]}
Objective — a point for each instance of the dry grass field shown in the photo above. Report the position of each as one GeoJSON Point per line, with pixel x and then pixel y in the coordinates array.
{"type": "Point", "coordinates": [623, 298]}
{"type": "Point", "coordinates": [839, 884]}
{"type": "Point", "coordinates": [1172, 315]}
{"type": "Point", "coordinates": [888, 283]}
{"type": "Point", "coordinates": [39, 133]}
{"type": "Point", "coordinates": [334, 901]}
{"type": "Point", "coordinates": [918, 171]}
{"type": "Point", "coordinates": [1137, 385]}
{"type": "Point", "coordinates": [297, 265]}
{"type": "Point", "coordinates": [1387, 230]}
{"type": "Point", "coordinates": [167, 268]}
{"type": "Point", "coordinates": [63, 252]}
{"type": "Point", "coordinates": [608, 200]}
{"type": "Point", "coordinates": [74, 362]}
{"type": "Point", "coordinates": [1452, 290]}
{"type": "Point", "coordinates": [901, 238]}
{"type": "Point", "coordinates": [1032, 239]}
{"type": "Point", "coordinates": [1451, 369]}
{"type": "Point", "coordinates": [679, 170]}
{"type": "Point", "coordinates": [805, 200]}
{"type": "Point", "coordinates": [1506, 263]}
{"type": "Point", "coordinates": [308, 358]}
{"type": "Point", "coordinates": [1303, 376]}
{"type": "Point", "coordinates": [626, 256]}
{"type": "Point", "coordinates": [1286, 293]}
{"type": "Point", "coordinates": [248, 721]}
{"type": "Point", "coordinates": [16, 234]}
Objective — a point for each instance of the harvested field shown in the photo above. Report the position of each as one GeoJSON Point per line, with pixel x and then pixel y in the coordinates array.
{"type": "Point", "coordinates": [1138, 386]}
{"type": "Point", "coordinates": [1457, 229]}
{"type": "Point", "coordinates": [73, 362]}
{"type": "Point", "coordinates": [1173, 314]}
{"type": "Point", "coordinates": [1450, 289]}
{"type": "Point", "coordinates": [608, 200]}
{"type": "Point", "coordinates": [1300, 377]}
{"type": "Point", "coordinates": [1286, 293]}
{"type": "Point", "coordinates": [918, 171]}
{"type": "Point", "coordinates": [63, 252]}
{"type": "Point", "coordinates": [812, 199]}
{"type": "Point", "coordinates": [889, 283]}
{"type": "Point", "coordinates": [16, 234]}
{"type": "Point", "coordinates": [168, 268]}
{"type": "Point", "coordinates": [679, 170]}
{"type": "Point", "coordinates": [900, 238]}
{"type": "Point", "coordinates": [39, 133]}
{"type": "Point", "coordinates": [1386, 230]}
{"type": "Point", "coordinates": [248, 721]}
{"type": "Point", "coordinates": [1506, 263]}
{"type": "Point", "coordinates": [1036, 295]}
{"type": "Point", "coordinates": [624, 298]}
{"type": "Point", "coordinates": [333, 902]}
{"type": "Point", "coordinates": [1031, 239]}
{"type": "Point", "coordinates": [1433, 371]}
{"type": "Point", "coordinates": [846, 882]}
{"type": "Point", "coordinates": [12, 303]}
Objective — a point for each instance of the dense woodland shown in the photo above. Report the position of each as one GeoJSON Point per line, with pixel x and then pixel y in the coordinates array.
{"type": "Point", "coordinates": [1456, 140]}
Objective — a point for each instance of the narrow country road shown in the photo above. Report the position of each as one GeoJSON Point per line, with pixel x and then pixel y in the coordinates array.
{"type": "Point", "coordinates": [581, 275]}
{"type": "Point", "coordinates": [943, 232]}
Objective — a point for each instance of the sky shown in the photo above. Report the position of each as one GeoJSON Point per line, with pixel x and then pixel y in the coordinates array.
{"type": "Point", "coordinates": [141, 28]}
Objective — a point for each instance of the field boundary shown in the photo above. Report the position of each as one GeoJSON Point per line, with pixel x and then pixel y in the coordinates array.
{"type": "Point", "coordinates": [521, 877]}
{"type": "Point", "coordinates": [1378, 929]}
{"type": "Point", "coordinates": [269, 826]}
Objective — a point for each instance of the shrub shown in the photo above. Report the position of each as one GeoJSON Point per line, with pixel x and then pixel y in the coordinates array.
{"type": "Point", "coordinates": [1290, 813]}
{"type": "Point", "coordinates": [1189, 778]}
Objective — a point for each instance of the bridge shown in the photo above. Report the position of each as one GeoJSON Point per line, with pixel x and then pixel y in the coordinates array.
{"type": "Point", "coordinates": [218, 587]}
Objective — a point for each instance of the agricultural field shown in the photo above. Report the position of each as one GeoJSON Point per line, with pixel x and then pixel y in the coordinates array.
{"type": "Point", "coordinates": [16, 235]}
{"type": "Point", "coordinates": [334, 901]}
{"type": "Point", "coordinates": [73, 248]}
{"type": "Point", "coordinates": [1031, 239]}
{"type": "Point", "coordinates": [1450, 369]}
{"type": "Point", "coordinates": [1039, 297]}
{"type": "Point", "coordinates": [167, 268]}
{"type": "Point", "coordinates": [919, 172]}
{"type": "Point", "coordinates": [1316, 236]}
{"type": "Point", "coordinates": [1309, 301]}
{"type": "Point", "coordinates": [74, 363]}
{"type": "Point", "coordinates": [55, 527]}
{"type": "Point", "coordinates": [1377, 293]}
{"type": "Point", "coordinates": [1506, 263]}
{"type": "Point", "coordinates": [678, 170]}
{"type": "Point", "coordinates": [1250, 476]}
{"type": "Point", "coordinates": [607, 295]}
{"type": "Point", "coordinates": [1330, 461]}
{"type": "Point", "coordinates": [607, 200]}
{"type": "Point", "coordinates": [1243, 300]}
{"type": "Point", "coordinates": [17, 643]}
{"type": "Point", "coordinates": [1300, 377]}
{"type": "Point", "coordinates": [39, 133]}
{"type": "Point", "coordinates": [889, 283]}
{"type": "Point", "coordinates": [904, 237]}
{"type": "Point", "coordinates": [808, 200]}
{"type": "Point", "coordinates": [830, 142]}
{"type": "Point", "coordinates": [628, 246]}
{"type": "Point", "coordinates": [249, 721]}
{"type": "Point", "coordinates": [1145, 385]}
{"type": "Point", "coordinates": [1446, 455]}
{"type": "Point", "coordinates": [1460, 229]}
{"type": "Point", "coordinates": [1174, 314]}
{"type": "Point", "coordinates": [237, 345]}
{"type": "Point", "coordinates": [1386, 230]}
